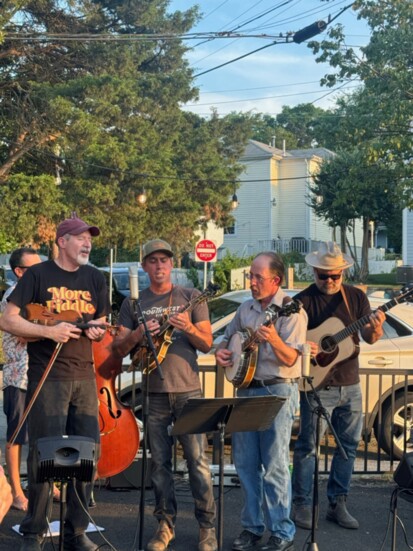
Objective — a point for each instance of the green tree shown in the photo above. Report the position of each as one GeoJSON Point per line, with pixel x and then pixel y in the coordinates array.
{"type": "Point", "coordinates": [376, 119]}
{"type": "Point", "coordinates": [23, 224]}
{"type": "Point", "coordinates": [301, 122]}
{"type": "Point", "coordinates": [296, 126]}
{"type": "Point", "coordinates": [353, 188]}
{"type": "Point", "coordinates": [382, 110]}
{"type": "Point", "coordinates": [103, 115]}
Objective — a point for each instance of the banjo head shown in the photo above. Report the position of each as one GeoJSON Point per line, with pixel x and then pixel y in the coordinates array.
{"type": "Point", "coordinates": [236, 373]}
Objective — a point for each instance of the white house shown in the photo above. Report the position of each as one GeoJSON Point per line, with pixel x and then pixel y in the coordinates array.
{"type": "Point", "coordinates": [273, 211]}
{"type": "Point", "coordinates": [407, 240]}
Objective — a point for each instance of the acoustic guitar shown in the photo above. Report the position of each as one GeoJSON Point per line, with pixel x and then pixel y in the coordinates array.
{"type": "Point", "coordinates": [336, 344]}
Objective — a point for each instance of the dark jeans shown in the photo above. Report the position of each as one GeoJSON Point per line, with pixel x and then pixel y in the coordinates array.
{"type": "Point", "coordinates": [164, 409]}
{"type": "Point", "coordinates": [62, 407]}
{"type": "Point", "coordinates": [344, 404]}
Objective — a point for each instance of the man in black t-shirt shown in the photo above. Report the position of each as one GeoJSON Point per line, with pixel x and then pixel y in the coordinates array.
{"type": "Point", "coordinates": [67, 403]}
{"type": "Point", "coordinates": [167, 396]}
{"type": "Point", "coordinates": [340, 394]}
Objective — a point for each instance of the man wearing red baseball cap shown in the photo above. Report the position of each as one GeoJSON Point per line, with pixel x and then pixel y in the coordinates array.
{"type": "Point", "coordinates": [67, 402]}
{"type": "Point", "coordinates": [75, 226]}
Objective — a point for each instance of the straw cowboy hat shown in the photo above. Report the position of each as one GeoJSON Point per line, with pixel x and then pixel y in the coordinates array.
{"type": "Point", "coordinates": [329, 257]}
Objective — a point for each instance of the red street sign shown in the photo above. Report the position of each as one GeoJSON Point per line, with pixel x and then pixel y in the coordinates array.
{"type": "Point", "coordinates": [206, 250]}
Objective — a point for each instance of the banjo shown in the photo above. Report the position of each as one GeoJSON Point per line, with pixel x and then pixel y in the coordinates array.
{"type": "Point", "coordinates": [244, 346]}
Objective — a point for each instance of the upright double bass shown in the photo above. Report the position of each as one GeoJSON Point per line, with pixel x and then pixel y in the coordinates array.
{"type": "Point", "coordinates": [119, 433]}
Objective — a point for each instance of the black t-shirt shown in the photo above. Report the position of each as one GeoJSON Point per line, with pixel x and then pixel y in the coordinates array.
{"type": "Point", "coordinates": [180, 368]}
{"type": "Point", "coordinates": [84, 291]}
{"type": "Point", "coordinates": [320, 307]}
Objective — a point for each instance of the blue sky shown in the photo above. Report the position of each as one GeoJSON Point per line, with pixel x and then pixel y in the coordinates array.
{"type": "Point", "coordinates": [283, 74]}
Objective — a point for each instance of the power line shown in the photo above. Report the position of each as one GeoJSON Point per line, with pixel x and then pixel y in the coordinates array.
{"type": "Point", "coordinates": [146, 177]}
{"type": "Point", "coordinates": [214, 10]}
{"type": "Point", "coordinates": [130, 37]}
{"type": "Point", "coordinates": [238, 27]}
{"type": "Point", "coordinates": [300, 36]}
{"type": "Point", "coordinates": [236, 59]}
{"type": "Point", "coordinates": [261, 87]}
{"type": "Point", "coordinates": [269, 97]}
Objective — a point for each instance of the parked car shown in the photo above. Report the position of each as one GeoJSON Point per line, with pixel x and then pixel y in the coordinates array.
{"type": "Point", "coordinates": [394, 351]}
{"type": "Point", "coordinates": [7, 278]}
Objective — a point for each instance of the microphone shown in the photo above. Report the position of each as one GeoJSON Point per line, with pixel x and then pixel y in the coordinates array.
{"type": "Point", "coordinates": [305, 360]}
{"type": "Point", "coordinates": [133, 282]}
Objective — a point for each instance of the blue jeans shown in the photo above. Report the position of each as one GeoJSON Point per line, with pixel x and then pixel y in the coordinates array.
{"type": "Point", "coordinates": [62, 407]}
{"type": "Point", "coordinates": [344, 405]}
{"type": "Point", "coordinates": [164, 409]}
{"type": "Point", "coordinates": [262, 461]}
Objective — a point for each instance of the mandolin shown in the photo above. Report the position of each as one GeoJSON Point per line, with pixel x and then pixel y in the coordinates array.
{"type": "Point", "coordinates": [143, 358]}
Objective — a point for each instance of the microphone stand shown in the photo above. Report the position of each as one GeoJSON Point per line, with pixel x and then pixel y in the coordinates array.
{"type": "Point", "coordinates": [145, 415]}
{"type": "Point", "coordinates": [321, 412]}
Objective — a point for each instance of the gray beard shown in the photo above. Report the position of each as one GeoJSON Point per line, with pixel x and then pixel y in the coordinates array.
{"type": "Point", "coordinates": [82, 261]}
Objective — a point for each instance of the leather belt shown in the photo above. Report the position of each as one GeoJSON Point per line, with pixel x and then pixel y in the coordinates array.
{"type": "Point", "coordinates": [274, 381]}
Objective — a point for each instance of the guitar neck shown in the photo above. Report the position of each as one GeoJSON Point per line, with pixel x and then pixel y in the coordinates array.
{"type": "Point", "coordinates": [188, 308]}
{"type": "Point", "coordinates": [357, 325]}
{"type": "Point", "coordinates": [272, 316]}
{"type": "Point", "coordinates": [253, 339]}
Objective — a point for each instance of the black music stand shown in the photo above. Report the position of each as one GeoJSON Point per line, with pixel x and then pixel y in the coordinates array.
{"type": "Point", "coordinates": [224, 415]}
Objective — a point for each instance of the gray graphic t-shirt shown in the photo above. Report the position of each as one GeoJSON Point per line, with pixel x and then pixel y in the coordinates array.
{"type": "Point", "coordinates": [180, 369]}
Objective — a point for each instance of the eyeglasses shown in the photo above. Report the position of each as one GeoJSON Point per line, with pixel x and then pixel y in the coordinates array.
{"type": "Point", "coordinates": [258, 278]}
{"type": "Point", "coordinates": [22, 267]}
{"type": "Point", "coordinates": [324, 277]}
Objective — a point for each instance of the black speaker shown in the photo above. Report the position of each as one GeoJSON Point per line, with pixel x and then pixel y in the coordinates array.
{"type": "Point", "coordinates": [62, 458]}
{"type": "Point", "coordinates": [403, 475]}
{"type": "Point", "coordinates": [132, 476]}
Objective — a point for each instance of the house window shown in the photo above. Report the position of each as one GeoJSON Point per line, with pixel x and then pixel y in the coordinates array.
{"type": "Point", "coordinates": [229, 230]}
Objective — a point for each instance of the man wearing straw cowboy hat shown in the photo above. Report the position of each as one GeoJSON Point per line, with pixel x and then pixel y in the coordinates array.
{"type": "Point", "coordinates": [340, 392]}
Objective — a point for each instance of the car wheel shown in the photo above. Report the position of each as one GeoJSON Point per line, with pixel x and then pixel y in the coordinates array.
{"type": "Point", "coordinates": [397, 427]}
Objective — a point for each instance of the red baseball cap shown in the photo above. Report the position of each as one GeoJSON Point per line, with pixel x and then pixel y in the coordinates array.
{"type": "Point", "coordinates": [75, 226]}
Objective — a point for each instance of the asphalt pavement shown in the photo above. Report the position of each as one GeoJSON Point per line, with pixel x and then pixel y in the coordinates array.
{"type": "Point", "coordinates": [117, 512]}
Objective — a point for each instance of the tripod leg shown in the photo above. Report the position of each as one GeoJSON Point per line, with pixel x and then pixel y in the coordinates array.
{"type": "Point", "coordinates": [394, 511]}
{"type": "Point", "coordinates": [221, 485]}
{"type": "Point", "coordinates": [312, 546]}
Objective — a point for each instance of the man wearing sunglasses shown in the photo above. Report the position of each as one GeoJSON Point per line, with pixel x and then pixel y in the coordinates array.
{"type": "Point", "coordinates": [328, 297]}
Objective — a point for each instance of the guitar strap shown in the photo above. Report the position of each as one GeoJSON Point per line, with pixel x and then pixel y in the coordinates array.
{"type": "Point", "coordinates": [170, 301]}
{"type": "Point", "coordinates": [343, 293]}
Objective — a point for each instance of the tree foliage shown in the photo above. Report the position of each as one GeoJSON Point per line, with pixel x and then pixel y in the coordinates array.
{"type": "Point", "coordinates": [294, 126]}
{"type": "Point", "coordinates": [375, 120]}
{"type": "Point", "coordinates": [353, 187]}
{"type": "Point", "coordinates": [104, 117]}
{"type": "Point", "coordinates": [382, 109]}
